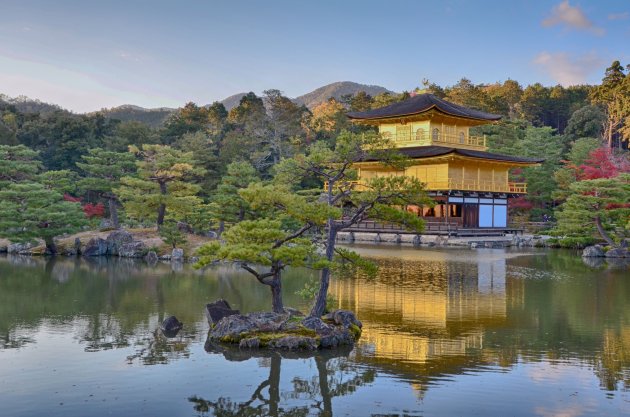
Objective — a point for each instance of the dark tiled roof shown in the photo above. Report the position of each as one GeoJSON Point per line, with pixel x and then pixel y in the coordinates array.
{"type": "Point", "coordinates": [420, 104]}
{"type": "Point", "coordinates": [418, 152]}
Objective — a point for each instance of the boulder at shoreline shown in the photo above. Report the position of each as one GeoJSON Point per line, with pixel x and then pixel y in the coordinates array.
{"type": "Point", "coordinates": [287, 331]}
{"type": "Point", "coordinates": [595, 251]}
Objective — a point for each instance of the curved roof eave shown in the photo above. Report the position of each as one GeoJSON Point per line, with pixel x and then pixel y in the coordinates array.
{"type": "Point", "coordinates": [421, 152]}
{"type": "Point", "coordinates": [421, 104]}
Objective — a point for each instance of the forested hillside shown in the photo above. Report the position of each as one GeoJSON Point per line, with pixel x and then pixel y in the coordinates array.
{"type": "Point", "coordinates": [581, 131]}
{"type": "Point", "coordinates": [151, 117]}
{"type": "Point", "coordinates": [28, 105]}
{"type": "Point", "coordinates": [338, 91]}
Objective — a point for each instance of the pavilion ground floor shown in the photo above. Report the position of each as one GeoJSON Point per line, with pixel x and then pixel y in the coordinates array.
{"type": "Point", "coordinates": [457, 213]}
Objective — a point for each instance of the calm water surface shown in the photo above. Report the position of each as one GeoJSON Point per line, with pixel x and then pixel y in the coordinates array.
{"type": "Point", "coordinates": [446, 333]}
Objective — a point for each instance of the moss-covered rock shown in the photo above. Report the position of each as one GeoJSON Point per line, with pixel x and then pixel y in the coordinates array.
{"type": "Point", "coordinates": [288, 331]}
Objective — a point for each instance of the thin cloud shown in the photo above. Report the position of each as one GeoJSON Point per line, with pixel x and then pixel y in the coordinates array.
{"type": "Point", "coordinates": [619, 16]}
{"type": "Point", "coordinates": [571, 17]}
{"type": "Point", "coordinates": [567, 70]}
{"type": "Point", "coordinates": [130, 56]}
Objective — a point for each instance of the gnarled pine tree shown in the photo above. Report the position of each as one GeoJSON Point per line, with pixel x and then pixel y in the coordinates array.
{"type": "Point", "coordinates": [161, 184]}
{"type": "Point", "coordinates": [104, 169]}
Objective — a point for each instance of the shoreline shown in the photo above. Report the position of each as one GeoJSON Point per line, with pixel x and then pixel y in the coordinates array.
{"type": "Point", "coordinates": [416, 240]}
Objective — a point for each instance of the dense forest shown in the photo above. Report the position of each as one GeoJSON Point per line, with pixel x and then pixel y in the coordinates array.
{"type": "Point", "coordinates": [190, 167]}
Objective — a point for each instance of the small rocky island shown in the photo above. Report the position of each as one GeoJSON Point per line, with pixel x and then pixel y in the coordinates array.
{"type": "Point", "coordinates": [290, 330]}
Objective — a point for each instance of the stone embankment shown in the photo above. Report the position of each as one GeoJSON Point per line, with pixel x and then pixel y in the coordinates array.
{"type": "Point", "coordinates": [598, 251]}
{"type": "Point", "coordinates": [598, 256]}
{"type": "Point", "coordinates": [438, 240]}
{"type": "Point", "coordinates": [290, 330]}
{"type": "Point", "coordinates": [137, 243]}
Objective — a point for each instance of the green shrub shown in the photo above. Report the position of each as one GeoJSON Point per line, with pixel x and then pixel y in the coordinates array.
{"type": "Point", "coordinates": [576, 242]}
{"type": "Point", "coordinates": [171, 235]}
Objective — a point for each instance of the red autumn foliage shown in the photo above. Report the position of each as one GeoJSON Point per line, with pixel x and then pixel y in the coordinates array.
{"type": "Point", "coordinates": [90, 210]}
{"type": "Point", "coordinates": [603, 163]}
{"type": "Point", "coordinates": [94, 210]}
{"type": "Point", "coordinates": [613, 206]}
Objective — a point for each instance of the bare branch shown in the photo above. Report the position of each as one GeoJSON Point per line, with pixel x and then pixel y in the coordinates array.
{"type": "Point", "coordinates": [260, 277]}
{"type": "Point", "coordinates": [341, 195]}
{"type": "Point", "coordinates": [358, 215]}
{"type": "Point", "coordinates": [341, 171]}
{"type": "Point", "coordinates": [292, 236]}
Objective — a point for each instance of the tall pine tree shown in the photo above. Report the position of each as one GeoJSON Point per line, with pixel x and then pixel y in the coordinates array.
{"type": "Point", "coordinates": [103, 170]}
{"type": "Point", "coordinates": [161, 184]}
{"type": "Point", "coordinates": [29, 210]}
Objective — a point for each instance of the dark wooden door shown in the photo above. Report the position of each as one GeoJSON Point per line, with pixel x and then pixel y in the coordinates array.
{"type": "Point", "coordinates": [471, 215]}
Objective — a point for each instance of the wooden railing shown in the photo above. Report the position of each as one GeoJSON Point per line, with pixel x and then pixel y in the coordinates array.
{"type": "Point", "coordinates": [440, 138]}
{"type": "Point", "coordinates": [437, 227]}
{"type": "Point", "coordinates": [434, 226]}
{"type": "Point", "coordinates": [518, 187]}
{"type": "Point", "coordinates": [453, 184]}
{"type": "Point", "coordinates": [472, 185]}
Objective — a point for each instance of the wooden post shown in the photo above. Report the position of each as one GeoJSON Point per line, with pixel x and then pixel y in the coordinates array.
{"type": "Point", "coordinates": [448, 224]}
{"type": "Point", "coordinates": [479, 177]}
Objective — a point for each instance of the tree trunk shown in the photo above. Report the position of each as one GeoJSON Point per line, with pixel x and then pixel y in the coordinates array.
{"type": "Point", "coordinates": [274, 385]}
{"type": "Point", "coordinates": [324, 280]}
{"type": "Point", "coordinates": [51, 248]}
{"type": "Point", "coordinates": [221, 228]}
{"type": "Point", "coordinates": [276, 293]}
{"type": "Point", "coordinates": [610, 132]}
{"type": "Point", "coordinates": [162, 207]}
{"type": "Point", "coordinates": [113, 212]}
{"type": "Point", "coordinates": [324, 388]}
{"type": "Point", "coordinates": [602, 231]}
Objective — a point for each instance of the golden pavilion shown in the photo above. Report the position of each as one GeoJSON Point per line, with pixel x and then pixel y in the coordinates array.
{"type": "Point", "coordinates": [470, 185]}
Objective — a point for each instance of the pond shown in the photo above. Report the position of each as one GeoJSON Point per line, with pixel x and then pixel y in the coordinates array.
{"type": "Point", "coordinates": [488, 332]}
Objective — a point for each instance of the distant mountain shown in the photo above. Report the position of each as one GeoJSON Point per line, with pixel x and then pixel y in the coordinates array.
{"type": "Point", "coordinates": [29, 105]}
{"type": "Point", "coordinates": [128, 112]}
{"type": "Point", "coordinates": [337, 90]}
{"type": "Point", "coordinates": [232, 101]}
{"type": "Point", "coordinates": [157, 116]}
{"type": "Point", "coordinates": [318, 96]}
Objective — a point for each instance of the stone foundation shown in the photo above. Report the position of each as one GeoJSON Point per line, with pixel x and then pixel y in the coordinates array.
{"type": "Point", "coordinates": [443, 240]}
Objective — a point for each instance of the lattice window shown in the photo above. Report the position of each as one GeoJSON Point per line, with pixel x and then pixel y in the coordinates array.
{"type": "Point", "coordinates": [420, 134]}
{"type": "Point", "coordinates": [403, 133]}
{"type": "Point", "coordinates": [435, 136]}
{"type": "Point", "coordinates": [462, 137]}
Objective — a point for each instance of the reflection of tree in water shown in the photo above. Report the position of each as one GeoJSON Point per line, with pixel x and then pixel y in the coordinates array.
{"type": "Point", "coordinates": [335, 377]}
{"type": "Point", "coordinates": [257, 405]}
{"type": "Point", "coordinates": [159, 349]}
{"type": "Point", "coordinates": [12, 341]}
{"type": "Point", "coordinates": [109, 303]}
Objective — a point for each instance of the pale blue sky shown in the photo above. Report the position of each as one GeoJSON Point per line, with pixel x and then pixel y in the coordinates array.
{"type": "Point", "coordinates": [85, 55]}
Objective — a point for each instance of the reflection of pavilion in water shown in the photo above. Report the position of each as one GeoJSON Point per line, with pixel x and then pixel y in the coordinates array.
{"type": "Point", "coordinates": [419, 311]}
